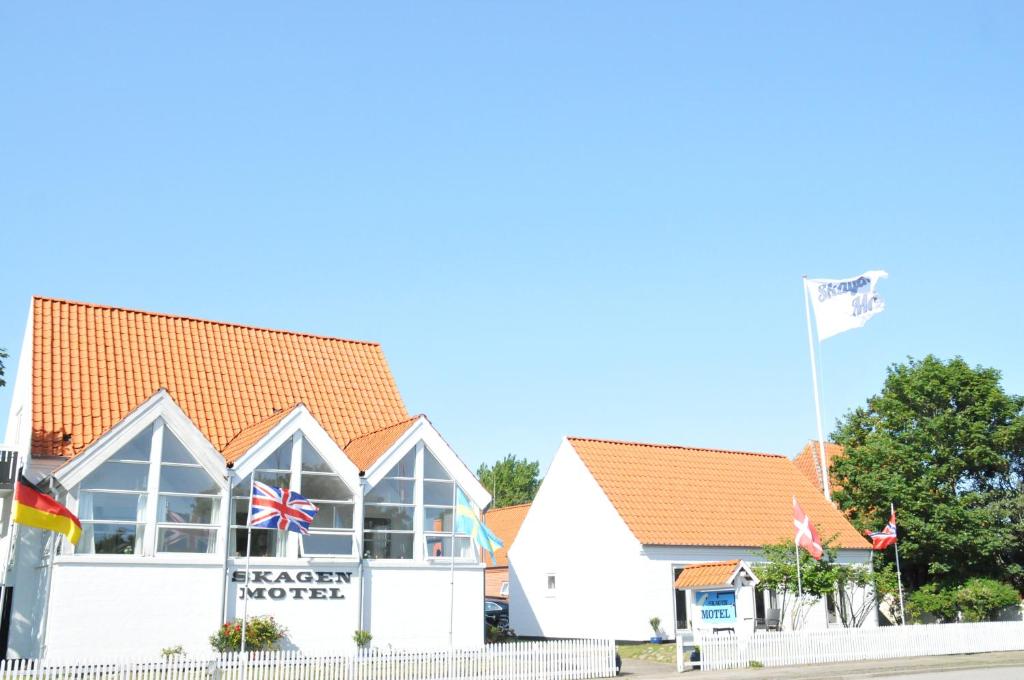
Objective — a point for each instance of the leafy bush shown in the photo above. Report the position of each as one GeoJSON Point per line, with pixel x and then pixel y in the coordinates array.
{"type": "Point", "coordinates": [655, 623]}
{"type": "Point", "coordinates": [176, 650]}
{"type": "Point", "coordinates": [499, 634]}
{"type": "Point", "coordinates": [979, 599]}
{"type": "Point", "coordinates": [362, 638]}
{"type": "Point", "coordinates": [261, 633]}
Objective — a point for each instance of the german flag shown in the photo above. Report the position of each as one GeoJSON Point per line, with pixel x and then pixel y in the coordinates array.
{"type": "Point", "coordinates": [34, 508]}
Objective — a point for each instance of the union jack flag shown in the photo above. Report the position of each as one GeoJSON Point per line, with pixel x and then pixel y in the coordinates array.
{"type": "Point", "coordinates": [880, 540]}
{"type": "Point", "coordinates": [283, 509]}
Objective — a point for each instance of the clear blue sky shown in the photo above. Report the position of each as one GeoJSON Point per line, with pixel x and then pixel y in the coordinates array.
{"type": "Point", "coordinates": [561, 218]}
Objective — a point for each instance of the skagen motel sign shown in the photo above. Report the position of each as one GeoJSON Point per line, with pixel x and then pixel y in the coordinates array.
{"type": "Point", "coordinates": [269, 584]}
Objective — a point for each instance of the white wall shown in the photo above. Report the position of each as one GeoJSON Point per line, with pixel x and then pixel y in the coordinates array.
{"type": "Point", "coordinates": [132, 609]}
{"type": "Point", "coordinates": [605, 587]}
{"type": "Point", "coordinates": [408, 606]}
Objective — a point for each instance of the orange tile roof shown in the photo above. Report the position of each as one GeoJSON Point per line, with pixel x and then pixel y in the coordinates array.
{"type": "Point", "coordinates": [365, 450]}
{"type": "Point", "coordinates": [706, 574]}
{"type": "Point", "coordinates": [245, 439]}
{"type": "Point", "coordinates": [675, 495]}
{"type": "Point", "coordinates": [91, 365]}
{"type": "Point", "coordinates": [505, 523]}
{"type": "Point", "coordinates": [808, 461]}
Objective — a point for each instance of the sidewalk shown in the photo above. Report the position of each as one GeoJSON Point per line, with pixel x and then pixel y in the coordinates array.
{"type": "Point", "coordinates": [635, 668]}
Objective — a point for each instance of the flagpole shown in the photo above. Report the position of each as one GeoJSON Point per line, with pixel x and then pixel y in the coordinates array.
{"type": "Point", "coordinates": [825, 486]}
{"type": "Point", "coordinates": [899, 577]}
{"type": "Point", "coordinates": [451, 573]}
{"type": "Point", "coordinates": [248, 560]}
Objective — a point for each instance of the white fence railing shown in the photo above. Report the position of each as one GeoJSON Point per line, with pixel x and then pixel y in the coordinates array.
{"type": "Point", "coordinates": [548, 660]}
{"type": "Point", "coordinates": [726, 650]}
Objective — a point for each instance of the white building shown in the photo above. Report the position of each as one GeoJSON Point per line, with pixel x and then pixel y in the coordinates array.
{"type": "Point", "coordinates": [615, 524]}
{"type": "Point", "coordinates": [150, 427]}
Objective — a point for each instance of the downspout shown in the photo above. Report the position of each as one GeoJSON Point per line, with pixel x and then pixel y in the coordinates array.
{"type": "Point", "coordinates": [226, 527]}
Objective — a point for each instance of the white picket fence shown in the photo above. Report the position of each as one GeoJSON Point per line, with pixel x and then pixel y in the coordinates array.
{"type": "Point", "coordinates": [726, 650]}
{"type": "Point", "coordinates": [548, 660]}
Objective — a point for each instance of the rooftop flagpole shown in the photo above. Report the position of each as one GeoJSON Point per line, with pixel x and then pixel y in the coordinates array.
{"type": "Point", "coordinates": [451, 572]}
{"type": "Point", "coordinates": [823, 465]}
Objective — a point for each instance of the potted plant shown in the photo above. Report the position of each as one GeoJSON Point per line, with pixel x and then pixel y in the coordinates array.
{"type": "Point", "coordinates": [656, 625]}
{"type": "Point", "coordinates": [362, 638]}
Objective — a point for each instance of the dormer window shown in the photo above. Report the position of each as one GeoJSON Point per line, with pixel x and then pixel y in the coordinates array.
{"type": "Point", "coordinates": [114, 501]}
{"type": "Point", "coordinates": [310, 475]}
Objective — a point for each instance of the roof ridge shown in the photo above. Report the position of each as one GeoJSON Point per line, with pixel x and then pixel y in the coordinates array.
{"type": "Point", "coordinates": [711, 564]}
{"type": "Point", "coordinates": [387, 427]}
{"type": "Point", "coordinates": [678, 446]}
{"type": "Point", "coordinates": [185, 317]}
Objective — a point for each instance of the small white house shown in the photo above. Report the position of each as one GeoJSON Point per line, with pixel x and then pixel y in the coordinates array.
{"type": "Point", "coordinates": [617, 526]}
{"type": "Point", "coordinates": [150, 428]}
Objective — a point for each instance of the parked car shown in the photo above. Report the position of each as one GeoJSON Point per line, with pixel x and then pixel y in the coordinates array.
{"type": "Point", "coordinates": [496, 613]}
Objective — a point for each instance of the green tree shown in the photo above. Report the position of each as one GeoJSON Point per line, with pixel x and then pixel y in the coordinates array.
{"type": "Point", "coordinates": [511, 481]}
{"type": "Point", "coordinates": [3, 355]}
{"type": "Point", "coordinates": [845, 583]}
{"type": "Point", "coordinates": [945, 443]}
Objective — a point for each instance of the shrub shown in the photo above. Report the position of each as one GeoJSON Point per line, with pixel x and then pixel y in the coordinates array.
{"type": "Point", "coordinates": [261, 633]}
{"type": "Point", "coordinates": [362, 638]}
{"type": "Point", "coordinates": [979, 599]}
{"type": "Point", "coordinates": [655, 623]}
{"type": "Point", "coordinates": [176, 650]}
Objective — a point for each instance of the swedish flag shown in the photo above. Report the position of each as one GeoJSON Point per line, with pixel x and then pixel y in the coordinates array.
{"type": "Point", "coordinates": [467, 521]}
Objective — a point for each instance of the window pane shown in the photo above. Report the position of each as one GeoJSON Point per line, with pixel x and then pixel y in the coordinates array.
{"type": "Point", "coordinates": [174, 451]}
{"type": "Point", "coordinates": [438, 493]}
{"type": "Point", "coordinates": [265, 543]}
{"type": "Point", "coordinates": [240, 511]}
{"type": "Point", "coordinates": [312, 461]}
{"type": "Point", "coordinates": [441, 546]}
{"type": "Point", "coordinates": [184, 510]}
{"type": "Point", "coordinates": [432, 469]}
{"type": "Point", "coordinates": [114, 475]}
{"type": "Point", "coordinates": [281, 480]}
{"type": "Point", "coordinates": [392, 491]}
{"type": "Point", "coordinates": [325, 488]}
{"type": "Point", "coordinates": [109, 539]}
{"type": "Point", "coordinates": [327, 544]}
{"type": "Point", "coordinates": [387, 517]}
{"type": "Point", "coordinates": [137, 448]}
{"type": "Point", "coordinates": [173, 539]}
{"type": "Point", "coordinates": [387, 546]}
{"type": "Point", "coordinates": [127, 507]}
{"type": "Point", "coordinates": [437, 519]}
{"type": "Point", "coordinates": [405, 467]}
{"type": "Point", "coordinates": [186, 480]}
{"type": "Point", "coordinates": [280, 459]}
{"type": "Point", "coordinates": [333, 516]}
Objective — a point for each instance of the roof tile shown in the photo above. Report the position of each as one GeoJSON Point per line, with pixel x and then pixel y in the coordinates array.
{"type": "Point", "coordinates": [93, 364]}
{"type": "Point", "coordinates": [675, 495]}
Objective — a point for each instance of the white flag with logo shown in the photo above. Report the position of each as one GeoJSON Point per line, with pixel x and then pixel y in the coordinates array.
{"type": "Point", "coordinates": [842, 304]}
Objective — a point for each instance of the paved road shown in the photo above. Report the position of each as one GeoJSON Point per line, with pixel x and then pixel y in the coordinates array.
{"type": "Point", "coordinates": [996, 666]}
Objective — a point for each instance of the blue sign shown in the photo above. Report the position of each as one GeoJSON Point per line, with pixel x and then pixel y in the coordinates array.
{"type": "Point", "coordinates": [717, 608]}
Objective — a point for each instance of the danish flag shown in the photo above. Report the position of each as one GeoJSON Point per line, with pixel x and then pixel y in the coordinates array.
{"type": "Point", "coordinates": [806, 535]}
{"type": "Point", "coordinates": [880, 540]}
{"type": "Point", "coordinates": [277, 508]}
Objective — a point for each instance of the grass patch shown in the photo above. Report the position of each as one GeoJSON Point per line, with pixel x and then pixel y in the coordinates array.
{"type": "Point", "coordinates": [663, 653]}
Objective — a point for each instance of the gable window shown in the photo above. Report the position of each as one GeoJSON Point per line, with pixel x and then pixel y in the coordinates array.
{"type": "Point", "coordinates": [331, 530]}
{"type": "Point", "coordinates": [150, 495]}
{"type": "Point", "coordinates": [388, 510]}
{"type": "Point", "coordinates": [310, 475]}
{"type": "Point", "coordinates": [275, 470]}
{"type": "Point", "coordinates": [112, 501]}
{"type": "Point", "coordinates": [188, 502]}
{"type": "Point", "coordinates": [438, 511]}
